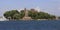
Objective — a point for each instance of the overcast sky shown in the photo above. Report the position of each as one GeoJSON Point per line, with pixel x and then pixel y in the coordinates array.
{"type": "Point", "coordinates": [49, 6]}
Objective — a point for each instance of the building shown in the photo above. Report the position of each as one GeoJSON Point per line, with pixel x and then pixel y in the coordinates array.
{"type": "Point", "coordinates": [26, 17]}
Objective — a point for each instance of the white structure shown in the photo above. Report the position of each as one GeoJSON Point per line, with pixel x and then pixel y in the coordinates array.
{"type": "Point", "coordinates": [20, 9]}
{"type": "Point", "coordinates": [56, 17]}
{"type": "Point", "coordinates": [3, 19]}
{"type": "Point", "coordinates": [37, 9]}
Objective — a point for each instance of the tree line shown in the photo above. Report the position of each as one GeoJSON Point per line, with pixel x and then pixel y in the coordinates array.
{"type": "Point", "coordinates": [14, 14]}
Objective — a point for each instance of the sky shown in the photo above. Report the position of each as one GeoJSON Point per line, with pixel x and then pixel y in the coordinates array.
{"type": "Point", "coordinates": [49, 6]}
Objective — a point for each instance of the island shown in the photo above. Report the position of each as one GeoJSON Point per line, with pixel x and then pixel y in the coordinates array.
{"type": "Point", "coordinates": [30, 14]}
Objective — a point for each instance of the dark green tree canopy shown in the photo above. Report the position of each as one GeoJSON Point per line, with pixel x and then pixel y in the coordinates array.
{"type": "Point", "coordinates": [10, 13]}
{"type": "Point", "coordinates": [14, 14]}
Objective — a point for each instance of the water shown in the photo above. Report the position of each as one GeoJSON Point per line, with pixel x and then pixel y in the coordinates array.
{"type": "Point", "coordinates": [30, 25]}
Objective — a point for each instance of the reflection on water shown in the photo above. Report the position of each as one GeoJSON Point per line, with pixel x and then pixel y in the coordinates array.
{"type": "Point", "coordinates": [30, 25]}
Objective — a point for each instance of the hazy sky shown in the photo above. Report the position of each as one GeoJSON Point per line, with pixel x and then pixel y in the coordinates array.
{"type": "Point", "coordinates": [50, 6]}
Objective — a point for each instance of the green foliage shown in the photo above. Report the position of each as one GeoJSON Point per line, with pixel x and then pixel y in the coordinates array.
{"type": "Point", "coordinates": [17, 16]}
{"type": "Point", "coordinates": [40, 15]}
{"type": "Point", "coordinates": [10, 13]}
{"type": "Point", "coordinates": [22, 13]}
{"type": "Point", "coordinates": [14, 14]}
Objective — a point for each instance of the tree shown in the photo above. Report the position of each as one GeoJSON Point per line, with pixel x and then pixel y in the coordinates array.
{"type": "Point", "coordinates": [22, 13]}
{"type": "Point", "coordinates": [7, 14]}
{"type": "Point", "coordinates": [14, 14]}
{"type": "Point", "coordinates": [10, 13]}
{"type": "Point", "coordinates": [17, 16]}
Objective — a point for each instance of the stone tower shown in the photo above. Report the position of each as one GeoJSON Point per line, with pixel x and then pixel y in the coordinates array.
{"type": "Point", "coordinates": [26, 17]}
{"type": "Point", "coordinates": [26, 12]}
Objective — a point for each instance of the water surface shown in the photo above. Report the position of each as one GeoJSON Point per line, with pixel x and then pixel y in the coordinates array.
{"type": "Point", "coordinates": [30, 25]}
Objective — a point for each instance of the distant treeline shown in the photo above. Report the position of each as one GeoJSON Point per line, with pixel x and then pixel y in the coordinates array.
{"type": "Point", "coordinates": [15, 14]}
